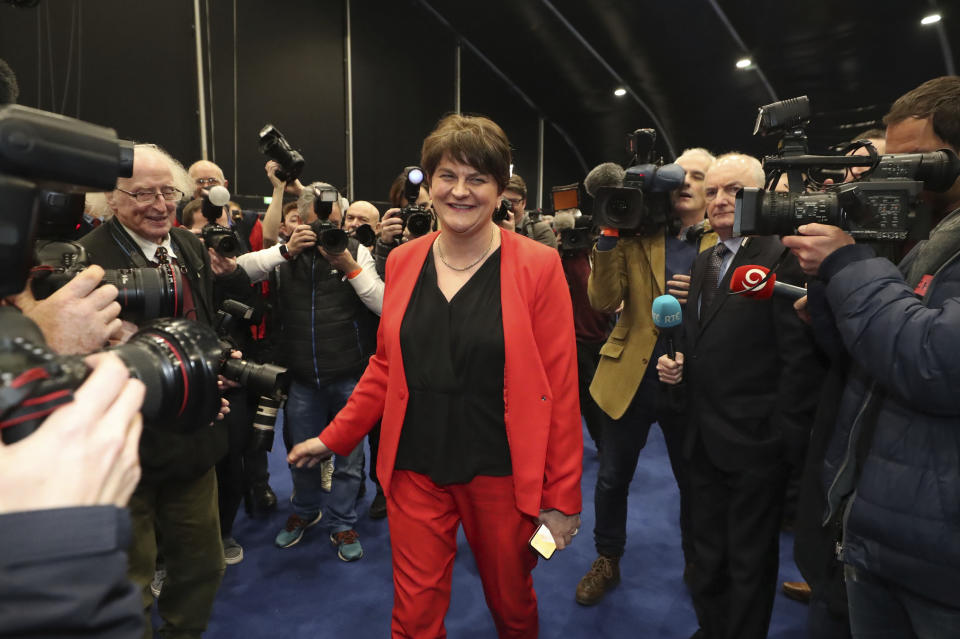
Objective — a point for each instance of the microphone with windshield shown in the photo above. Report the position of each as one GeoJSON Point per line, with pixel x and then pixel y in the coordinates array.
{"type": "Point", "coordinates": [748, 280]}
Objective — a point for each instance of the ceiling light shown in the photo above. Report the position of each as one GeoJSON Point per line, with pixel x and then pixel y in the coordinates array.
{"type": "Point", "coordinates": [930, 19]}
{"type": "Point", "coordinates": [743, 63]}
{"type": "Point", "coordinates": [620, 92]}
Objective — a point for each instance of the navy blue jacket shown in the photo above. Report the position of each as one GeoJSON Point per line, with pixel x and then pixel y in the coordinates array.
{"type": "Point", "coordinates": [902, 521]}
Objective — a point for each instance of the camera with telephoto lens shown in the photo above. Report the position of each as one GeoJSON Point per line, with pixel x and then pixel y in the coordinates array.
{"type": "Point", "coordinates": [642, 204]}
{"type": "Point", "coordinates": [271, 382]}
{"type": "Point", "coordinates": [276, 147]}
{"type": "Point", "coordinates": [44, 158]}
{"type": "Point", "coordinates": [220, 238]}
{"type": "Point", "coordinates": [882, 205]}
{"type": "Point", "coordinates": [331, 237]}
{"type": "Point", "coordinates": [178, 361]}
{"type": "Point", "coordinates": [143, 293]}
{"type": "Point", "coordinates": [416, 218]}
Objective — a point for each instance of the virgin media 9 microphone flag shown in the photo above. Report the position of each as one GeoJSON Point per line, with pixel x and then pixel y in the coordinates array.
{"type": "Point", "coordinates": [751, 280]}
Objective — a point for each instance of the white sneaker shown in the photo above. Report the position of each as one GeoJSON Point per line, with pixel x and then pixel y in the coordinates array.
{"type": "Point", "coordinates": [157, 584]}
{"type": "Point", "coordinates": [326, 474]}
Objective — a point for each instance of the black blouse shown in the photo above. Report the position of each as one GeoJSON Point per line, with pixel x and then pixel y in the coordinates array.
{"type": "Point", "coordinates": [453, 358]}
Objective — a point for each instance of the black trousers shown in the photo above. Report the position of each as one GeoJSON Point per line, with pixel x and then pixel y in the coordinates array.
{"type": "Point", "coordinates": [241, 468]}
{"type": "Point", "coordinates": [735, 524]}
{"type": "Point", "coordinates": [588, 356]}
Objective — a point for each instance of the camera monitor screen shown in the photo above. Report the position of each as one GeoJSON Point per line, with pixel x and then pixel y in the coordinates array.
{"type": "Point", "coordinates": [566, 197]}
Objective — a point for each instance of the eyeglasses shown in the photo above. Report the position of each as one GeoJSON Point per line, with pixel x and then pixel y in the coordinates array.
{"type": "Point", "coordinates": [730, 189]}
{"type": "Point", "coordinates": [169, 193]}
{"type": "Point", "coordinates": [514, 203]}
{"type": "Point", "coordinates": [210, 181]}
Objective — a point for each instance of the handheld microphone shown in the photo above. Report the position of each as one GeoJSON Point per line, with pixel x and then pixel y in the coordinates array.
{"type": "Point", "coordinates": [748, 280]}
{"type": "Point", "coordinates": [214, 202]}
{"type": "Point", "coordinates": [667, 317]}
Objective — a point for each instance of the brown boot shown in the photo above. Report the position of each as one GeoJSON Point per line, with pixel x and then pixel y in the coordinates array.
{"type": "Point", "coordinates": [604, 574]}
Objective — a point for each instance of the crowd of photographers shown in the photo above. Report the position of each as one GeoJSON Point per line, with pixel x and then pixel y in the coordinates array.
{"type": "Point", "coordinates": [763, 335]}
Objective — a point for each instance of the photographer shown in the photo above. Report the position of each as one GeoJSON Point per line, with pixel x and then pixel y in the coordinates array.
{"type": "Point", "coordinates": [528, 224]}
{"type": "Point", "coordinates": [177, 496]}
{"type": "Point", "coordinates": [274, 218]}
{"type": "Point", "coordinates": [326, 309]}
{"type": "Point", "coordinates": [891, 472]}
{"type": "Point", "coordinates": [632, 270]}
{"type": "Point", "coordinates": [246, 225]}
{"type": "Point", "coordinates": [393, 225]}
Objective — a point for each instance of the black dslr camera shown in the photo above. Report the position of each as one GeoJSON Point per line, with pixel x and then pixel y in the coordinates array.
{"type": "Point", "coordinates": [221, 239]}
{"type": "Point", "coordinates": [276, 147]}
{"type": "Point", "coordinates": [883, 204]}
{"type": "Point", "coordinates": [642, 204]}
{"type": "Point", "coordinates": [416, 218]}
{"type": "Point", "coordinates": [502, 212]}
{"type": "Point", "coordinates": [271, 383]}
{"type": "Point", "coordinates": [330, 236]}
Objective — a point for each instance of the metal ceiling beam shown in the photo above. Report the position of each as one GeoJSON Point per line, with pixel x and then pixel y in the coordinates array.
{"type": "Point", "coordinates": [743, 47]}
{"type": "Point", "coordinates": [616, 76]}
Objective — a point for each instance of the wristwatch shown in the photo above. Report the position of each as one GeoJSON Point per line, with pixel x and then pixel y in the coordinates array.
{"type": "Point", "coordinates": [285, 252]}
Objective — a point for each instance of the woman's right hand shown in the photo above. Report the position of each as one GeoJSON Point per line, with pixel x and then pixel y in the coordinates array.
{"type": "Point", "coordinates": [308, 453]}
{"type": "Point", "coordinates": [669, 370]}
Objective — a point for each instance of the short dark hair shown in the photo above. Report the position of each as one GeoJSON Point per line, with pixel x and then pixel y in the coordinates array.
{"type": "Point", "coordinates": [9, 89]}
{"type": "Point", "coordinates": [190, 212]}
{"type": "Point", "coordinates": [289, 206]}
{"type": "Point", "coordinates": [938, 98]}
{"type": "Point", "coordinates": [472, 140]}
{"type": "Point", "coordinates": [517, 184]}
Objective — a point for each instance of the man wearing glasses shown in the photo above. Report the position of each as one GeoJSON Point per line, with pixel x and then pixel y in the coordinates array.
{"type": "Point", "coordinates": [205, 175]}
{"type": "Point", "coordinates": [177, 494]}
{"type": "Point", "coordinates": [751, 387]}
{"type": "Point", "coordinates": [539, 230]}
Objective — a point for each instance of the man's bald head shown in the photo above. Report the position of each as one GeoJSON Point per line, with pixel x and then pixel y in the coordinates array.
{"type": "Point", "coordinates": [729, 174]}
{"type": "Point", "coordinates": [205, 174]}
{"type": "Point", "coordinates": [361, 212]}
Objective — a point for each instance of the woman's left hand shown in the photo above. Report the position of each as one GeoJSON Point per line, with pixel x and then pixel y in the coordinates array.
{"type": "Point", "coordinates": [563, 527]}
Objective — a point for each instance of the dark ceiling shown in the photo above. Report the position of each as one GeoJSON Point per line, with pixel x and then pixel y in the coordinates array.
{"type": "Point", "coordinates": [677, 60]}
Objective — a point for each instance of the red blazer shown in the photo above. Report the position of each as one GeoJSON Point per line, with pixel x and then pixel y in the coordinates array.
{"type": "Point", "coordinates": [540, 375]}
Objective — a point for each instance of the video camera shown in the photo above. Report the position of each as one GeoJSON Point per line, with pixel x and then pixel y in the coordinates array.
{"type": "Point", "coordinates": [44, 157]}
{"type": "Point", "coordinates": [580, 237]}
{"type": "Point", "coordinates": [642, 203]}
{"type": "Point", "coordinates": [883, 204]}
{"type": "Point", "coordinates": [275, 146]}
{"type": "Point", "coordinates": [416, 218]}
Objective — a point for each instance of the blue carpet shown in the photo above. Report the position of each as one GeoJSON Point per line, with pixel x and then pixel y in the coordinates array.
{"type": "Point", "coordinates": [306, 591]}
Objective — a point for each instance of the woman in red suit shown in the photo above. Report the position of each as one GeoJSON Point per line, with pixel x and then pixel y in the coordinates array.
{"type": "Point", "coordinates": [475, 377]}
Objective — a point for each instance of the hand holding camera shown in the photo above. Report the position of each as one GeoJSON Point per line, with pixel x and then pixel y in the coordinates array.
{"type": "Point", "coordinates": [78, 318]}
{"type": "Point", "coordinates": [91, 442]}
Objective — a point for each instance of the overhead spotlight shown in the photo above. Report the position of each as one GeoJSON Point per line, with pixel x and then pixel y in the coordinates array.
{"type": "Point", "coordinates": [931, 19]}
{"type": "Point", "coordinates": [619, 92]}
{"type": "Point", "coordinates": [743, 63]}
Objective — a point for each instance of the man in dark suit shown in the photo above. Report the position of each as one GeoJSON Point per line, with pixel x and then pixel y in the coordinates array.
{"type": "Point", "coordinates": [177, 494]}
{"type": "Point", "coordinates": [751, 380]}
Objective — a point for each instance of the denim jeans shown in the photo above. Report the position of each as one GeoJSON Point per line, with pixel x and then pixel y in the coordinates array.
{"type": "Point", "coordinates": [879, 608]}
{"type": "Point", "coordinates": [307, 413]}
{"type": "Point", "coordinates": [622, 441]}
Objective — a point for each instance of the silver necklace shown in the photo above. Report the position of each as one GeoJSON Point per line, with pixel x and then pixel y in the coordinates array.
{"type": "Point", "coordinates": [472, 264]}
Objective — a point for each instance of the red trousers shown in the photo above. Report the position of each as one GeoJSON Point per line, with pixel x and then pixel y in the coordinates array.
{"type": "Point", "coordinates": [424, 519]}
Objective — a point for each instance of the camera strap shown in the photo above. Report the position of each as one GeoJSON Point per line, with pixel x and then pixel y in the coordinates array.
{"type": "Point", "coordinates": [127, 245]}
